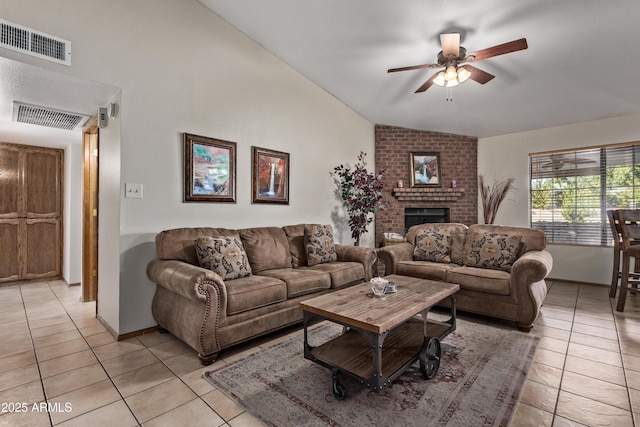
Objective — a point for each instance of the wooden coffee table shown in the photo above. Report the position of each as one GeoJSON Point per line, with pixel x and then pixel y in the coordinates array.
{"type": "Point", "coordinates": [382, 336]}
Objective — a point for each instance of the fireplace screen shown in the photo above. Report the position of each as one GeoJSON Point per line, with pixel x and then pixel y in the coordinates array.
{"type": "Point", "coordinates": [415, 216]}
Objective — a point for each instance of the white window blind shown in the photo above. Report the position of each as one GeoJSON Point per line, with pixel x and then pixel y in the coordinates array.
{"type": "Point", "coordinates": [571, 191]}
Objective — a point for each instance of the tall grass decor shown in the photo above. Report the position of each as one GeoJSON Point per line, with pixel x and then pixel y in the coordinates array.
{"type": "Point", "coordinates": [493, 196]}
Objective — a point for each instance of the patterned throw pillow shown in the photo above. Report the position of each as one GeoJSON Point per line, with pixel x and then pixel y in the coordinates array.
{"type": "Point", "coordinates": [432, 245]}
{"type": "Point", "coordinates": [319, 244]}
{"type": "Point", "coordinates": [224, 256]}
{"type": "Point", "coordinates": [493, 250]}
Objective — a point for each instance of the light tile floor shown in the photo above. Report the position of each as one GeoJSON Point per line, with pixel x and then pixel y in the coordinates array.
{"type": "Point", "coordinates": [60, 366]}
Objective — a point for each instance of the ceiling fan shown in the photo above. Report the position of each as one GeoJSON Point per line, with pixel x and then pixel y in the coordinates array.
{"type": "Point", "coordinates": [558, 162]}
{"type": "Point", "coordinates": [455, 61]}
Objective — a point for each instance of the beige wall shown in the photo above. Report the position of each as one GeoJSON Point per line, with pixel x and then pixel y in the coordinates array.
{"type": "Point", "coordinates": [183, 69]}
{"type": "Point", "coordinates": [508, 155]}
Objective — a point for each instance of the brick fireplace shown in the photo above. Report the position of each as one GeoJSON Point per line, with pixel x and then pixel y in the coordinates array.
{"type": "Point", "coordinates": [458, 161]}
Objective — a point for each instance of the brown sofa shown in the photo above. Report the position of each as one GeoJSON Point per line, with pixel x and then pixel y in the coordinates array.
{"type": "Point", "coordinates": [209, 314]}
{"type": "Point", "coordinates": [500, 270]}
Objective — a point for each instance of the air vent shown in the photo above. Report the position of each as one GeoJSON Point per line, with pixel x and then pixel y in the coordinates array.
{"type": "Point", "coordinates": [42, 116]}
{"type": "Point", "coordinates": [34, 43]}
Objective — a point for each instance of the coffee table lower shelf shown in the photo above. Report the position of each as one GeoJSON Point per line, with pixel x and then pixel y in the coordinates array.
{"type": "Point", "coordinates": [354, 351]}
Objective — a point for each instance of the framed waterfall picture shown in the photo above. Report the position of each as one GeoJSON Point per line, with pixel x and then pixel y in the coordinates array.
{"type": "Point", "coordinates": [209, 169]}
{"type": "Point", "coordinates": [425, 169]}
{"type": "Point", "coordinates": [270, 176]}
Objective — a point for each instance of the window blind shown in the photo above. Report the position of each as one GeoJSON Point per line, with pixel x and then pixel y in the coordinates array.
{"type": "Point", "coordinates": [571, 191]}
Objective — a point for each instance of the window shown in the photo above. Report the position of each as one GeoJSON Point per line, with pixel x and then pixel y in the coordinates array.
{"type": "Point", "coordinates": [571, 191]}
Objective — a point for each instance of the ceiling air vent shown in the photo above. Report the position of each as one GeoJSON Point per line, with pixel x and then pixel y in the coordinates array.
{"type": "Point", "coordinates": [32, 114]}
{"type": "Point", "coordinates": [34, 43]}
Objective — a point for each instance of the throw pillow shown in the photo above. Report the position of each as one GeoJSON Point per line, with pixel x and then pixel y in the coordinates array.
{"type": "Point", "coordinates": [319, 244]}
{"type": "Point", "coordinates": [493, 250]}
{"type": "Point", "coordinates": [432, 245]}
{"type": "Point", "coordinates": [224, 256]}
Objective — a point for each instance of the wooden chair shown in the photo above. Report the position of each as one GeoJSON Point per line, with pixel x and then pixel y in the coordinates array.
{"type": "Point", "coordinates": [629, 223]}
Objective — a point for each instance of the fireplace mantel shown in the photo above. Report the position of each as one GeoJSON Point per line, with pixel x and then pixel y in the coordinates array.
{"type": "Point", "coordinates": [428, 194]}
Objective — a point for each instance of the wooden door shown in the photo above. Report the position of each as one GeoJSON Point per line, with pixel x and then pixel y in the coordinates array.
{"type": "Point", "coordinates": [31, 212]}
{"type": "Point", "coordinates": [90, 215]}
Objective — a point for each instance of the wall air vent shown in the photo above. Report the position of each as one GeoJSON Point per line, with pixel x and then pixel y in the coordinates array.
{"type": "Point", "coordinates": [34, 43]}
{"type": "Point", "coordinates": [42, 116]}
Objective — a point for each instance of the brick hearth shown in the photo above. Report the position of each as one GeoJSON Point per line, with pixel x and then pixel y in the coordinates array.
{"type": "Point", "coordinates": [458, 161]}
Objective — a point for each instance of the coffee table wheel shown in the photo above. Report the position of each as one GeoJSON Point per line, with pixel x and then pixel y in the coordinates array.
{"type": "Point", "coordinates": [430, 358]}
{"type": "Point", "coordinates": [339, 390]}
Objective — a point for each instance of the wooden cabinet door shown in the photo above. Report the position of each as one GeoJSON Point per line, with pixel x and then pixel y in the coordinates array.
{"type": "Point", "coordinates": [31, 214]}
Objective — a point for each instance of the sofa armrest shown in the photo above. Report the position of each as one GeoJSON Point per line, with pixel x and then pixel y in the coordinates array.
{"type": "Point", "coordinates": [527, 284]}
{"type": "Point", "coordinates": [185, 279]}
{"type": "Point", "coordinates": [391, 255]}
{"type": "Point", "coordinates": [363, 255]}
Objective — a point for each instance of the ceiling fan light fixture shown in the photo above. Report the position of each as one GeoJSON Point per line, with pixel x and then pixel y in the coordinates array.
{"type": "Point", "coordinates": [450, 74]}
{"type": "Point", "coordinates": [463, 74]}
{"type": "Point", "coordinates": [452, 83]}
{"type": "Point", "coordinates": [440, 80]}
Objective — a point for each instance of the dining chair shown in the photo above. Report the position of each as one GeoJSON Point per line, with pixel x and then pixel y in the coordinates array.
{"type": "Point", "coordinates": [629, 223]}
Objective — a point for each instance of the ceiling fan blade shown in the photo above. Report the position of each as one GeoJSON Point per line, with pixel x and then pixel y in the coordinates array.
{"type": "Point", "coordinates": [501, 49]}
{"type": "Point", "coordinates": [427, 84]}
{"type": "Point", "coordinates": [478, 75]}
{"type": "Point", "coordinates": [450, 44]}
{"type": "Point", "coordinates": [413, 67]}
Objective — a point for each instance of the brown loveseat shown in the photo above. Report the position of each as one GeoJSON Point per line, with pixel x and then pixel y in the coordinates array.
{"type": "Point", "coordinates": [211, 313]}
{"type": "Point", "coordinates": [500, 270]}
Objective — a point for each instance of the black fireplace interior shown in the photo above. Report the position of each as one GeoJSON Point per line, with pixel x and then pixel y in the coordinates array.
{"type": "Point", "coordinates": [415, 216]}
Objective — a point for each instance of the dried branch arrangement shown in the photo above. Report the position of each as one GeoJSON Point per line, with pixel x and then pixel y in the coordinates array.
{"type": "Point", "coordinates": [493, 196]}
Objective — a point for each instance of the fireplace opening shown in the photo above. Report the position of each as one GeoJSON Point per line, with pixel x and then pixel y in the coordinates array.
{"type": "Point", "coordinates": [415, 216]}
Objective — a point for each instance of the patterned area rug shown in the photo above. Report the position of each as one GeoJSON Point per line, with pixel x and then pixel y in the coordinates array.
{"type": "Point", "coordinates": [480, 378]}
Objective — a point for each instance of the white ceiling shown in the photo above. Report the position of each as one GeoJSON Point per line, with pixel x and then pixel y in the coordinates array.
{"type": "Point", "coordinates": [582, 62]}
{"type": "Point", "coordinates": [46, 88]}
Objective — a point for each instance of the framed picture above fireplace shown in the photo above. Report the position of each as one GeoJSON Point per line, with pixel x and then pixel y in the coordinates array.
{"type": "Point", "coordinates": [425, 169]}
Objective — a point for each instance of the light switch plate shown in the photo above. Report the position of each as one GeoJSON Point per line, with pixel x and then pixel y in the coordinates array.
{"type": "Point", "coordinates": [133, 191]}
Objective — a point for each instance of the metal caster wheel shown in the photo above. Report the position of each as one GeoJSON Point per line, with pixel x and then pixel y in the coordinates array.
{"type": "Point", "coordinates": [430, 358]}
{"type": "Point", "coordinates": [339, 390]}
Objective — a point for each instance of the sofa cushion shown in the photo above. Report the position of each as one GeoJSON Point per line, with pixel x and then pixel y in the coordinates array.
{"type": "Point", "coordinates": [458, 254]}
{"type": "Point", "coordinates": [180, 243]}
{"type": "Point", "coordinates": [295, 235]}
{"type": "Point", "coordinates": [424, 269]}
{"type": "Point", "coordinates": [266, 247]}
{"type": "Point", "coordinates": [342, 273]}
{"type": "Point", "coordinates": [252, 292]}
{"type": "Point", "coordinates": [300, 281]}
{"type": "Point", "coordinates": [224, 256]}
{"type": "Point", "coordinates": [493, 250]}
{"type": "Point", "coordinates": [480, 279]}
{"type": "Point", "coordinates": [432, 245]}
{"type": "Point", "coordinates": [533, 240]}
{"type": "Point", "coordinates": [319, 244]}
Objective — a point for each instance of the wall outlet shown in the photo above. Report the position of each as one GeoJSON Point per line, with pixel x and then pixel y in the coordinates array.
{"type": "Point", "coordinates": [133, 191]}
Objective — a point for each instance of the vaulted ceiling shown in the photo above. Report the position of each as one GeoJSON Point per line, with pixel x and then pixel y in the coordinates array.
{"type": "Point", "coordinates": [582, 62]}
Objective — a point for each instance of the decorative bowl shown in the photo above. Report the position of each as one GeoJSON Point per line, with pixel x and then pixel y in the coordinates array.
{"type": "Point", "coordinates": [378, 286]}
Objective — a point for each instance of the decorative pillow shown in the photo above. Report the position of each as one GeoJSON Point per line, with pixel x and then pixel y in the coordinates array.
{"type": "Point", "coordinates": [432, 245]}
{"type": "Point", "coordinates": [319, 244]}
{"type": "Point", "coordinates": [224, 256]}
{"type": "Point", "coordinates": [493, 250]}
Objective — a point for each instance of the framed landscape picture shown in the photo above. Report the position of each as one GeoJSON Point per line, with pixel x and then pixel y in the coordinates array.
{"type": "Point", "coordinates": [209, 169]}
{"type": "Point", "coordinates": [270, 176]}
{"type": "Point", "coordinates": [425, 169]}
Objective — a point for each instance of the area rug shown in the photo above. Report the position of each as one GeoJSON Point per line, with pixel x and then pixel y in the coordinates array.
{"type": "Point", "coordinates": [481, 374]}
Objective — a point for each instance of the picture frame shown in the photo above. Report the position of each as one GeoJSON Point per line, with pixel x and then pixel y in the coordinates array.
{"type": "Point", "coordinates": [425, 169]}
{"type": "Point", "coordinates": [209, 169]}
{"type": "Point", "coordinates": [270, 176]}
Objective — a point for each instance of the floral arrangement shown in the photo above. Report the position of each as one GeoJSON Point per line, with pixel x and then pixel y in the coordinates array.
{"type": "Point", "coordinates": [493, 195]}
{"type": "Point", "coordinates": [361, 194]}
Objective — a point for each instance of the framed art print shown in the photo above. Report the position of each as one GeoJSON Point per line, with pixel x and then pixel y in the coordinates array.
{"type": "Point", "coordinates": [270, 176]}
{"type": "Point", "coordinates": [425, 169]}
{"type": "Point", "coordinates": [209, 169]}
